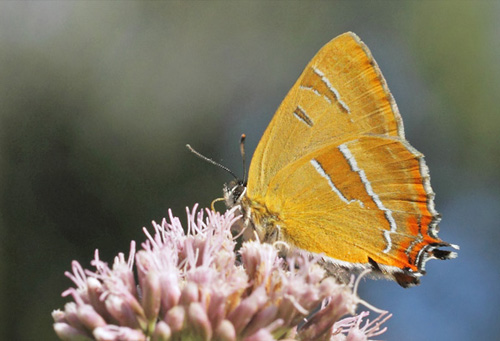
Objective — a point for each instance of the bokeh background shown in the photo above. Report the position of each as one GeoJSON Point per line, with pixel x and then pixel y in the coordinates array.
{"type": "Point", "coordinates": [98, 99]}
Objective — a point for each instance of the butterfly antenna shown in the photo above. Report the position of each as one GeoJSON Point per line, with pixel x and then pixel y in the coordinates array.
{"type": "Point", "coordinates": [242, 150]}
{"type": "Point", "coordinates": [203, 157]}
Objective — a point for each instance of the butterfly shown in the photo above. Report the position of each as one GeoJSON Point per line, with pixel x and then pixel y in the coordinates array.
{"type": "Point", "coordinates": [334, 176]}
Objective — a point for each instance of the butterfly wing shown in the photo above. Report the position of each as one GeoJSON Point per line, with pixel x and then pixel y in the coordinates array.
{"type": "Point", "coordinates": [340, 93]}
{"type": "Point", "coordinates": [372, 193]}
{"type": "Point", "coordinates": [336, 174]}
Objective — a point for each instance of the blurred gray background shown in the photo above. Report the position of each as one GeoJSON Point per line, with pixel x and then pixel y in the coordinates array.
{"type": "Point", "coordinates": [98, 99]}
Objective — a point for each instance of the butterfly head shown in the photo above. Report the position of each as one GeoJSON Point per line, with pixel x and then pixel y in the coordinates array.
{"type": "Point", "coordinates": [234, 191]}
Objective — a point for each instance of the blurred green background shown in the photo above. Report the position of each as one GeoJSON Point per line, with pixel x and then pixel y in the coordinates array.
{"type": "Point", "coordinates": [98, 99]}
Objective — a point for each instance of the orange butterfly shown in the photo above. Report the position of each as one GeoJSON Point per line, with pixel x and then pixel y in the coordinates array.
{"type": "Point", "coordinates": [334, 175]}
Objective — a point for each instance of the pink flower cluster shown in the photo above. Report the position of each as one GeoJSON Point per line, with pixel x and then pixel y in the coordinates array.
{"type": "Point", "coordinates": [194, 286]}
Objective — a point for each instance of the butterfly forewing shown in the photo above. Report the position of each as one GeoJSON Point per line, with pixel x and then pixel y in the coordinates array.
{"type": "Point", "coordinates": [341, 93]}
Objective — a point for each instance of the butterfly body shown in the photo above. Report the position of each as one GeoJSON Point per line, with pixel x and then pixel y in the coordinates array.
{"type": "Point", "coordinates": [334, 176]}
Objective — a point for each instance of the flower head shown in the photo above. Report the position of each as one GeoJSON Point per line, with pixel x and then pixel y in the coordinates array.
{"type": "Point", "coordinates": [194, 285]}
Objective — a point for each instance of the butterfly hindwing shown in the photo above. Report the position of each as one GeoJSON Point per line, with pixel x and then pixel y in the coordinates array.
{"type": "Point", "coordinates": [372, 193]}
